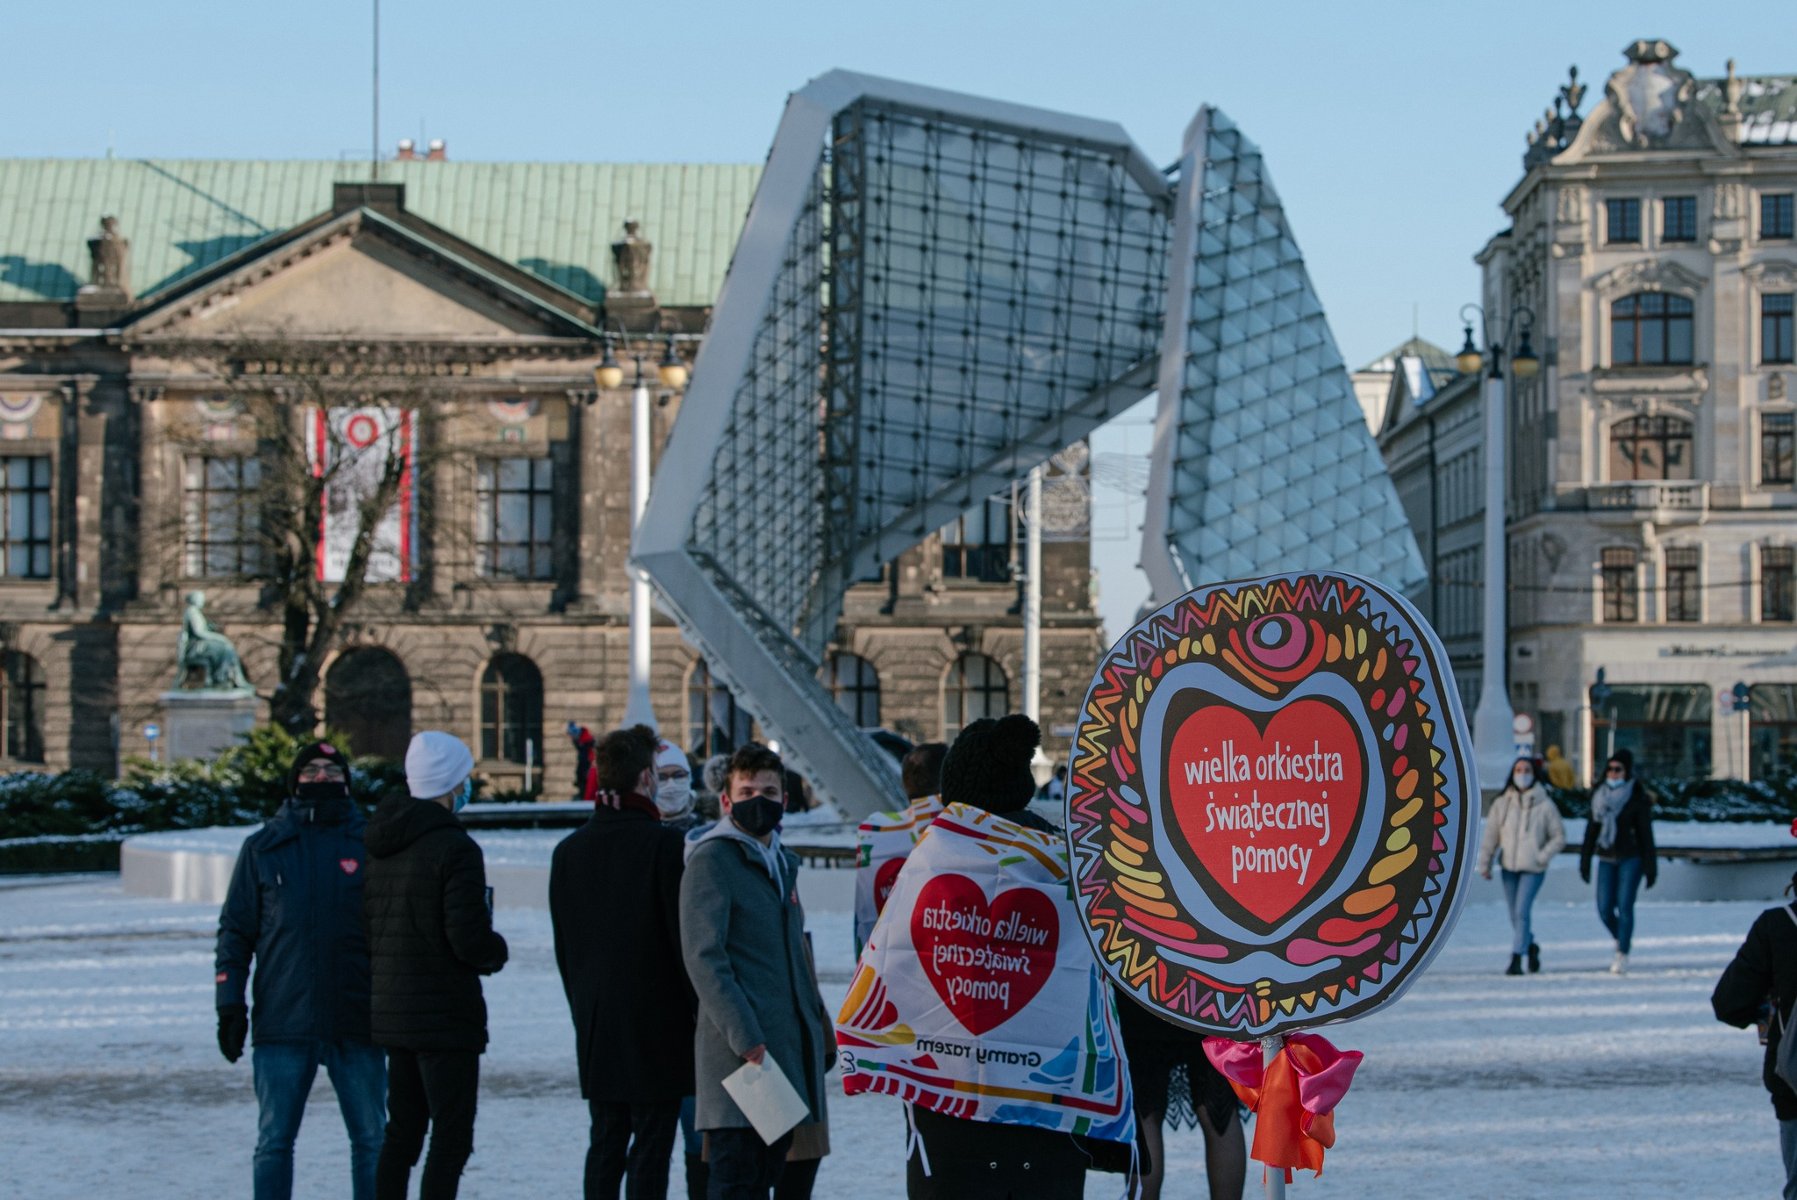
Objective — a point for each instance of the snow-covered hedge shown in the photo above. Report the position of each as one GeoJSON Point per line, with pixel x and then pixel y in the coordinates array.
{"type": "Point", "coordinates": [1773, 799]}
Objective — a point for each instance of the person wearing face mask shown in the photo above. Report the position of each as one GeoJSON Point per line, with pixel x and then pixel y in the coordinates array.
{"type": "Point", "coordinates": [614, 902]}
{"type": "Point", "coordinates": [742, 933]}
{"type": "Point", "coordinates": [675, 799]}
{"type": "Point", "coordinates": [430, 939]}
{"type": "Point", "coordinates": [1620, 835]}
{"type": "Point", "coordinates": [295, 908]}
{"type": "Point", "coordinates": [1524, 830]}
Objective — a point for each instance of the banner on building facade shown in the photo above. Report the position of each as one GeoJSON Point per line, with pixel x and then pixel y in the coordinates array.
{"type": "Point", "coordinates": [976, 997]}
{"type": "Point", "coordinates": [352, 449]}
{"type": "Point", "coordinates": [1270, 804]}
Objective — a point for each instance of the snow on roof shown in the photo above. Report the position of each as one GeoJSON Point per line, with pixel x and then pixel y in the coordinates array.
{"type": "Point", "coordinates": [1768, 107]}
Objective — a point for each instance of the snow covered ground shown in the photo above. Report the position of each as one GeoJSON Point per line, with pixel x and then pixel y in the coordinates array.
{"type": "Point", "coordinates": [1572, 1083]}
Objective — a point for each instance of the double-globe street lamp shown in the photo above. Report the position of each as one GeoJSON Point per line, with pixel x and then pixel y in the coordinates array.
{"type": "Point", "coordinates": [1494, 739]}
{"type": "Point", "coordinates": [609, 375]}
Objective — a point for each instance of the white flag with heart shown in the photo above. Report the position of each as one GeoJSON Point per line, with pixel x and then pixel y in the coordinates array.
{"type": "Point", "coordinates": [976, 995]}
{"type": "Point", "coordinates": [353, 450]}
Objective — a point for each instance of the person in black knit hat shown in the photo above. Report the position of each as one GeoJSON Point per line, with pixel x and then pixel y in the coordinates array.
{"type": "Point", "coordinates": [988, 767]}
{"type": "Point", "coordinates": [1620, 836]}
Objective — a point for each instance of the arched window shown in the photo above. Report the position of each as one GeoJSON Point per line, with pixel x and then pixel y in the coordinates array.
{"type": "Point", "coordinates": [22, 707]}
{"type": "Point", "coordinates": [1650, 448]}
{"type": "Point", "coordinates": [975, 687]}
{"type": "Point", "coordinates": [1650, 328]}
{"type": "Point", "coordinates": [855, 686]}
{"type": "Point", "coordinates": [511, 709]}
{"type": "Point", "coordinates": [714, 724]}
{"type": "Point", "coordinates": [368, 698]}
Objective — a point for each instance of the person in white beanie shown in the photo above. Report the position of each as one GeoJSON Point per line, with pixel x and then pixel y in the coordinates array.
{"type": "Point", "coordinates": [430, 939]}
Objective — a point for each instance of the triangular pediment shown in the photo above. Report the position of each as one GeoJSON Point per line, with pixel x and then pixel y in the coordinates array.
{"type": "Point", "coordinates": [358, 275]}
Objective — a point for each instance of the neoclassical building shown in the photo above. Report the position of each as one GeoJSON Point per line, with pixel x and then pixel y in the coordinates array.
{"type": "Point", "coordinates": [1651, 485]}
{"type": "Point", "coordinates": [152, 314]}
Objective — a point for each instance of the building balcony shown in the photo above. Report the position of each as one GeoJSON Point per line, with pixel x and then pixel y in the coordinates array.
{"type": "Point", "coordinates": [1657, 500]}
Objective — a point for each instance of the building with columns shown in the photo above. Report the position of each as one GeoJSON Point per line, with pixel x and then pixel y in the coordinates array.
{"type": "Point", "coordinates": [136, 354]}
{"type": "Point", "coordinates": [1650, 482]}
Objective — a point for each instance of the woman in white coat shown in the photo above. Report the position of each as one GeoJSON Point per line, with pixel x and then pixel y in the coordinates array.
{"type": "Point", "coordinates": [1524, 828]}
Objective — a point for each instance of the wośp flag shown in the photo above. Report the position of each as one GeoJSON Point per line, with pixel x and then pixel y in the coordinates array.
{"type": "Point", "coordinates": [352, 449]}
{"type": "Point", "coordinates": [976, 995]}
{"type": "Point", "coordinates": [882, 843]}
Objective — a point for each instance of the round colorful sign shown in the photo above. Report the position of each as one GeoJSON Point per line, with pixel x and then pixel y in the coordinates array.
{"type": "Point", "coordinates": [1272, 804]}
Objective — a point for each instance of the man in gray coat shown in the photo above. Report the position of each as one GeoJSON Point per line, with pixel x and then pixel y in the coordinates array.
{"type": "Point", "coordinates": [743, 938]}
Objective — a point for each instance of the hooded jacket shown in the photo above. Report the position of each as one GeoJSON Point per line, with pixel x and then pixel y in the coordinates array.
{"type": "Point", "coordinates": [1524, 830]}
{"type": "Point", "coordinates": [295, 907]}
{"type": "Point", "coordinates": [430, 933]}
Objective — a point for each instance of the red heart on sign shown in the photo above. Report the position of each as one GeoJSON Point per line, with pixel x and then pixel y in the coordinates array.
{"type": "Point", "coordinates": [986, 960]}
{"type": "Point", "coordinates": [1265, 803]}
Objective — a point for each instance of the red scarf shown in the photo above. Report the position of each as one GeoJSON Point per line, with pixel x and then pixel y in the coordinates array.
{"type": "Point", "coordinates": [622, 801]}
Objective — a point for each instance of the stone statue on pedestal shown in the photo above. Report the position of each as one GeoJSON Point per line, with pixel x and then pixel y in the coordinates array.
{"type": "Point", "coordinates": [204, 649]}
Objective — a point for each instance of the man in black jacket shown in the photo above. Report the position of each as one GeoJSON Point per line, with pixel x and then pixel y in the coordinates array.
{"type": "Point", "coordinates": [295, 907]}
{"type": "Point", "coordinates": [1760, 985]}
{"type": "Point", "coordinates": [614, 900]}
{"type": "Point", "coordinates": [431, 938]}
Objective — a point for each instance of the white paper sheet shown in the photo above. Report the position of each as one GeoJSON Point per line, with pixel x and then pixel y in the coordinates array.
{"type": "Point", "coordinates": [767, 1098]}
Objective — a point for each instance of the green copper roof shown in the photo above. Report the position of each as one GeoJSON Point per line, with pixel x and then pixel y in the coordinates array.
{"type": "Point", "coordinates": [555, 219]}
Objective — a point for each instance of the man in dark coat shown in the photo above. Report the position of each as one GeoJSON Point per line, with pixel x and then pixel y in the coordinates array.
{"type": "Point", "coordinates": [295, 908]}
{"type": "Point", "coordinates": [1761, 985]}
{"type": "Point", "coordinates": [742, 932]}
{"type": "Point", "coordinates": [431, 938]}
{"type": "Point", "coordinates": [614, 900]}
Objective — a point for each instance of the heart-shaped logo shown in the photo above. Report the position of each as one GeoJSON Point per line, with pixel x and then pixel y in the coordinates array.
{"type": "Point", "coordinates": [986, 960]}
{"type": "Point", "coordinates": [884, 877]}
{"type": "Point", "coordinates": [1264, 803]}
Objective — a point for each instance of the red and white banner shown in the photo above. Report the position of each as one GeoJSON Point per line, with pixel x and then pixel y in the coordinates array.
{"type": "Point", "coordinates": [350, 449]}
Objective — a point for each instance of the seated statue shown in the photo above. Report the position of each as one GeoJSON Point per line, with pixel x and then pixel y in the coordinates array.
{"type": "Point", "coordinates": [205, 649]}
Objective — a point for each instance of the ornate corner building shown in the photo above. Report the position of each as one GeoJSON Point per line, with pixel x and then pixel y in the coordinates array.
{"type": "Point", "coordinates": [154, 313]}
{"type": "Point", "coordinates": [1651, 486]}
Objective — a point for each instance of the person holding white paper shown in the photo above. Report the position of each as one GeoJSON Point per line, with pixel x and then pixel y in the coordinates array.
{"type": "Point", "coordinates": [743, 938]}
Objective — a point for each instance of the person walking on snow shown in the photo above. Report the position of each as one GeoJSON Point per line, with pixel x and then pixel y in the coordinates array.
{"type": "Point", "coordinates": [1762, 977]}
{"type": "Point", "coordinates": [614, 902]}
{"type": "Point", "coordinates": [1524, 830]}
{"type": "Point", "coordinates": [294, 908]}
{"type": "Point", "coordinates": [1620, 834]}
{"type": "Point", "coordinates": [431, 938]}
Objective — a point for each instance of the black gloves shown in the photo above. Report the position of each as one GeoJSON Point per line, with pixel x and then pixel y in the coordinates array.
{"type": "Point", "coordinates": [1651, 880]}
{"type": "Point", "coordinates": [233, 1028]}
{"type": "Point", "coordinates": [1585, 872]}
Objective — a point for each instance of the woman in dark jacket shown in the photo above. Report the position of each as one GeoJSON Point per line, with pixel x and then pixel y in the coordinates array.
{"type": "Point", "coordinates": [1174, 1085]}
{"type": "Point", "coordinates": [1760, 985]}
{"type": "Point", "coordinates": [1620, 833]}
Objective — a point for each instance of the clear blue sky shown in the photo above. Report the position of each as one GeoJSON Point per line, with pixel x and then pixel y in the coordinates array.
{"type": "Point", "coordinates": [1392, 129]}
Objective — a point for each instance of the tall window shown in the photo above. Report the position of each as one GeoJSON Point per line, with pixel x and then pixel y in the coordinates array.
{"type": "Point", "coordinates": [1775, 327]}
{"type": "Point", "coordinates": [1617, 568]}
{"type": "Point", "coordinates": [1684, 595]}
{"type": "Point", "coordinates": [22, 707]}
{"type": "Point", "coordinates": [1622, 220]}
{"type": "Point", "coordinates": [220, 527]}
{"type": "Point", "coordinates": [977, 544]}
{"type": "Point", "coordinates": [714, 723]}
{"type": "Point", "coordinates": [1650, 328]}
{"type": "Point", "coordinates": [975, 687]}
{"type": "Point", "coordinates": [25, 532]}
{"type": "Point", "coordinates": [855, 686]}
{"type": "Point", "coordinates": [511, 709]}
{"type": "Point", "coordinates": [514, 517]}
{"type": "Point", "coordinates": [1776, 215]}
{"type": "Point", "coordinates": [1776, 447]}
{"type": "Point", "coordinates": [1778, 584]}
{"type": "Point", "coordinates": [1650, 448]}
{"type": "Point", "coordinates": [1678, 219]}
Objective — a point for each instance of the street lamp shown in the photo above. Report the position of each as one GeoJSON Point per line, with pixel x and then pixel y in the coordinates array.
{"type": "Point", "coordinates": [1493, 733]}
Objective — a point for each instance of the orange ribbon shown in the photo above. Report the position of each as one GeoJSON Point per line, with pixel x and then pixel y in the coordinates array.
{"type": "Point", "coordinates": [1293, 1098]}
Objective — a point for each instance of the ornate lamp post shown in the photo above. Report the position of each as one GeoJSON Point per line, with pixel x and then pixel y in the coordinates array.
{"type": "Point", "coordinates": [672, 373]}
{"type": "Point", "coordinates": [1493, 736]}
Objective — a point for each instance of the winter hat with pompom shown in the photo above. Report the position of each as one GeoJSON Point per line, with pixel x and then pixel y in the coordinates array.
{"type": "Point", "coordinates": [989, 765]}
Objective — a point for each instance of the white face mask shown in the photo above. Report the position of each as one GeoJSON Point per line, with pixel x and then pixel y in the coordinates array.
{"type": "Point", "coordinates": [673, 797]}
{"type": "Point", "coordinates": [1524, 780]}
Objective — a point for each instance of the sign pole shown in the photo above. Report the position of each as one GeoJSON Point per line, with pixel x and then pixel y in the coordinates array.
{"type": "Point", "coordinates": [1270, 1047]}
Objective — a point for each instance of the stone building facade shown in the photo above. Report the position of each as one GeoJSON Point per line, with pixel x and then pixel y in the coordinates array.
{"type": "Point", "coordinates": [1650, 485]}
{"type": "Point", "coordinates": [133, 470]}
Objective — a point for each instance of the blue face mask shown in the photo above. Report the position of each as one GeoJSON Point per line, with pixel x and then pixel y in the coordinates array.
{"type": "Point", "coordinates": [465, 794]}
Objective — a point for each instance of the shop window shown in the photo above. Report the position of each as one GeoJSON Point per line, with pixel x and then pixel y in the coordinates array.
{"type": "Point", "coordinates": [1665, 726]}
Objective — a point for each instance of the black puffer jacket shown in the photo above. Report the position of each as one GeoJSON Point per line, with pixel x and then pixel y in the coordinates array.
{"type": "Point", "coordinates": [1764, 969]}
{"type": "Point", "coordinates": [430, 934]}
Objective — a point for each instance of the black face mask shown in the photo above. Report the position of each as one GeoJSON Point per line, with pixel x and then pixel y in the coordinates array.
{"type": "Point", "coordinates": [757, 816]}
{"type": "Point", "coordinates": [320, 792]}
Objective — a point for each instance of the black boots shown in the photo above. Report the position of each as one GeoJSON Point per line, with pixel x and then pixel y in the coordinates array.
{"type": "Point", "coordinates": [1534, 959]}
{"type": "Point", "coordinates": [1515, 967]}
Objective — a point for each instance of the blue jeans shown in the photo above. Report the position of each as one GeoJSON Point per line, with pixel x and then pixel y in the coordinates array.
{"type": "Point", "coordinates": [1617, 883]}
{"type": "Point", "coordinates": [1520, 888]}
{"type": "Point", "coordinates": [1787, 1146]}
{"type": "Point", "coordinates": [283, 1073]}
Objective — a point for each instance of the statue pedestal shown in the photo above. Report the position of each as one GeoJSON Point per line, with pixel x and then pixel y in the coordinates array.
{"type": "Point", "coordinates": [200, 723]}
